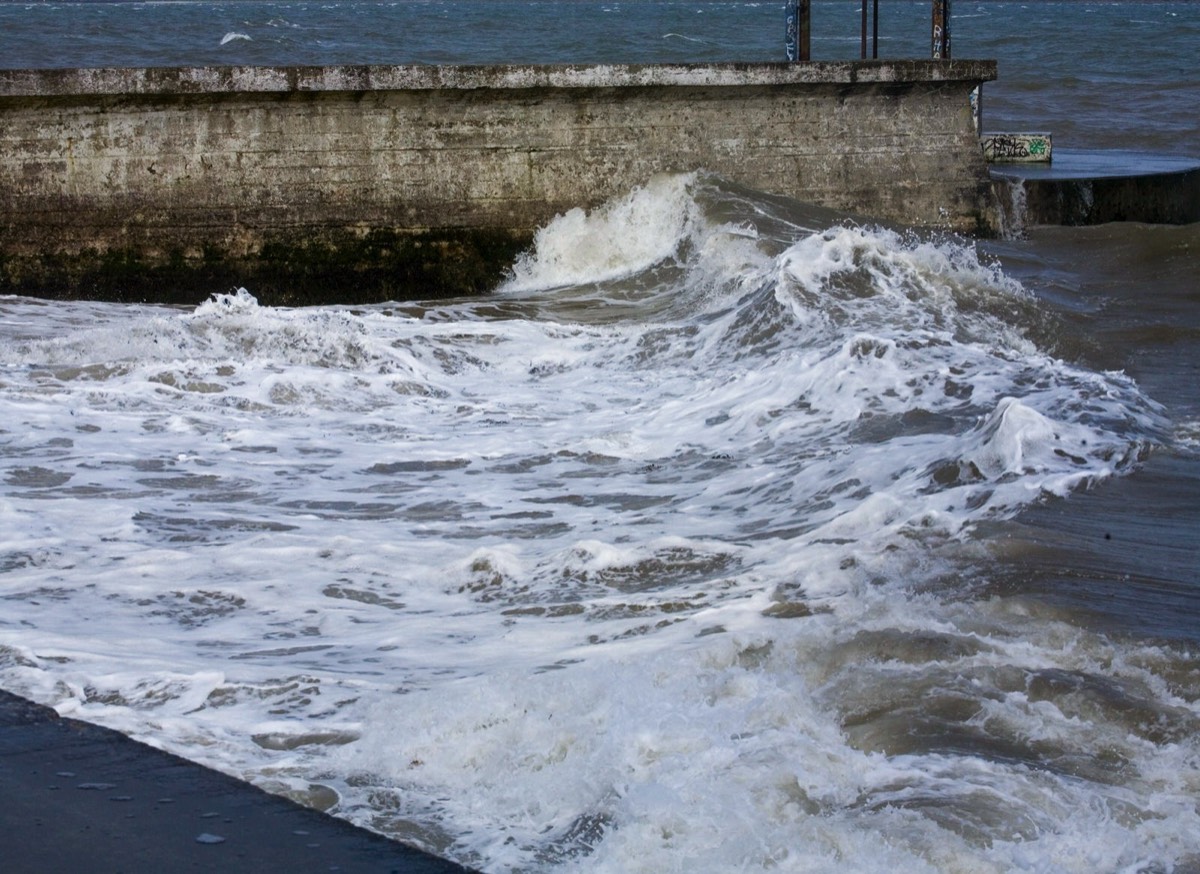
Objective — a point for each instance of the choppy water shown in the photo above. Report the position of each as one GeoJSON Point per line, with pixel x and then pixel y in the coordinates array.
{"type": "Point", "coordinates": [727, 535]}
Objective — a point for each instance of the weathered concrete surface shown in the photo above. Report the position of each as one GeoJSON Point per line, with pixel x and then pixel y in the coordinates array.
{"type": "Point", "coordinates": [78, 797]}
{"type": "Point", "coordinates": [1095, 187]}
{"type": "Point", "coordinates": [371, 183]}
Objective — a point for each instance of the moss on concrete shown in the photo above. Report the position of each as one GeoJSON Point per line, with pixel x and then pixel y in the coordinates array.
{"type": "Point", "coordinates": [339, 268]}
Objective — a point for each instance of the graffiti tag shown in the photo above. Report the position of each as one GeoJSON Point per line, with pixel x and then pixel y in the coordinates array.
{"type": "Point", "coordinates": [1017, 147]}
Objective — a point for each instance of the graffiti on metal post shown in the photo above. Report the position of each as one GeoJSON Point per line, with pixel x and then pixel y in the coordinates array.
{"type": "Point", "coordinates": [941, 30]}
{"type": "Point", "coordinates": [797, 39]}
{"type": "Point", "coordinates": [792, 39]}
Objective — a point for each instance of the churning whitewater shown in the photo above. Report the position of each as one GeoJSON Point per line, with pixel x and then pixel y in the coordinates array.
{"type": "Point", "coordinates": [671, 555]}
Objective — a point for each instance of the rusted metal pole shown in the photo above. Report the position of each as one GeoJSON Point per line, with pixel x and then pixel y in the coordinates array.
{"type": "Point", "coordinates": [806, 30]}
{"type": "Point", "coordinates": [941, 29]}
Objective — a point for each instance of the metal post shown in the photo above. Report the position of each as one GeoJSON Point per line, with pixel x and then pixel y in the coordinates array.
{"type": "Point", "coordinates": [791, 38]}
{"type": "Point", "coordinates": [806, 30]}
{"type": "Point", "coordinates": [799, 30]}
{"type": "Point", "coordinates": [875, 29]}
{"type": "Point", "coordinates": [863, 52]}
{"type": "Point", "coordinates": [941, 29]}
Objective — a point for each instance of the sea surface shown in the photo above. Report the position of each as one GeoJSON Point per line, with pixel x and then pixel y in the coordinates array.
{"type": "Point", "coordinates": [728, 534]}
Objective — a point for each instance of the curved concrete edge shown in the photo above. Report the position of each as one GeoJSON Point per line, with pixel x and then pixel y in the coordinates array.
{"type": "Point", "coordinates": [78, 797]}
{"type": "Point", "coordinates": [1092, 188]}
{"type": "Point", "coordinates": [224, 80]}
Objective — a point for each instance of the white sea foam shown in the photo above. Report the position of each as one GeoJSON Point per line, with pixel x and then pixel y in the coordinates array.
{"type": "Point", "coordinates": [623, 237]}
{"type": "Point", "coordinates": [662, 559]}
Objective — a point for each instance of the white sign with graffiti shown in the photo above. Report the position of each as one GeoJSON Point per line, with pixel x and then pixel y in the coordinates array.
{"type": "Point", "coordinates": [1017, 148]}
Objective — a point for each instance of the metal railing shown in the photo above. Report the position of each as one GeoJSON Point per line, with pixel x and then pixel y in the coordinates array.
{"type": "Point", "coordinates": [797, 42]}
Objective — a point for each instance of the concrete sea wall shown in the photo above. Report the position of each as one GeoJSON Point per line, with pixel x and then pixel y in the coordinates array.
{"type": "Point", "coordinates": [376, 183]}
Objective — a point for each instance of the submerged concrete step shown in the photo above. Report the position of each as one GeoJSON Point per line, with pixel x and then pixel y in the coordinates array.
{"type": "Point", "coordinates": [1091, 187]}
{"type": "Point", "coordinates": [78, 797]}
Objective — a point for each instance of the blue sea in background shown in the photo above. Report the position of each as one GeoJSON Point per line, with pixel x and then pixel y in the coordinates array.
{"type": "Point", "coordinates": [726, 534]}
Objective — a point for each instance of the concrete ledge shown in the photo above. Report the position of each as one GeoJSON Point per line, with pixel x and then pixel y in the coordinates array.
{"type": "Point", "coordinates": [78, 797]}
{"type": "Point", "coordinates": [1086, 187]}
{"type": "Point", "coordinates": [223, 80]}
{"type": "Point", "coordinates": [362, 184]}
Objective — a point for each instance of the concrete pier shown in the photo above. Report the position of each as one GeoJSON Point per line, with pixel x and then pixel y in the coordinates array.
{"type": "Point", "coordinates": [374, 183]}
